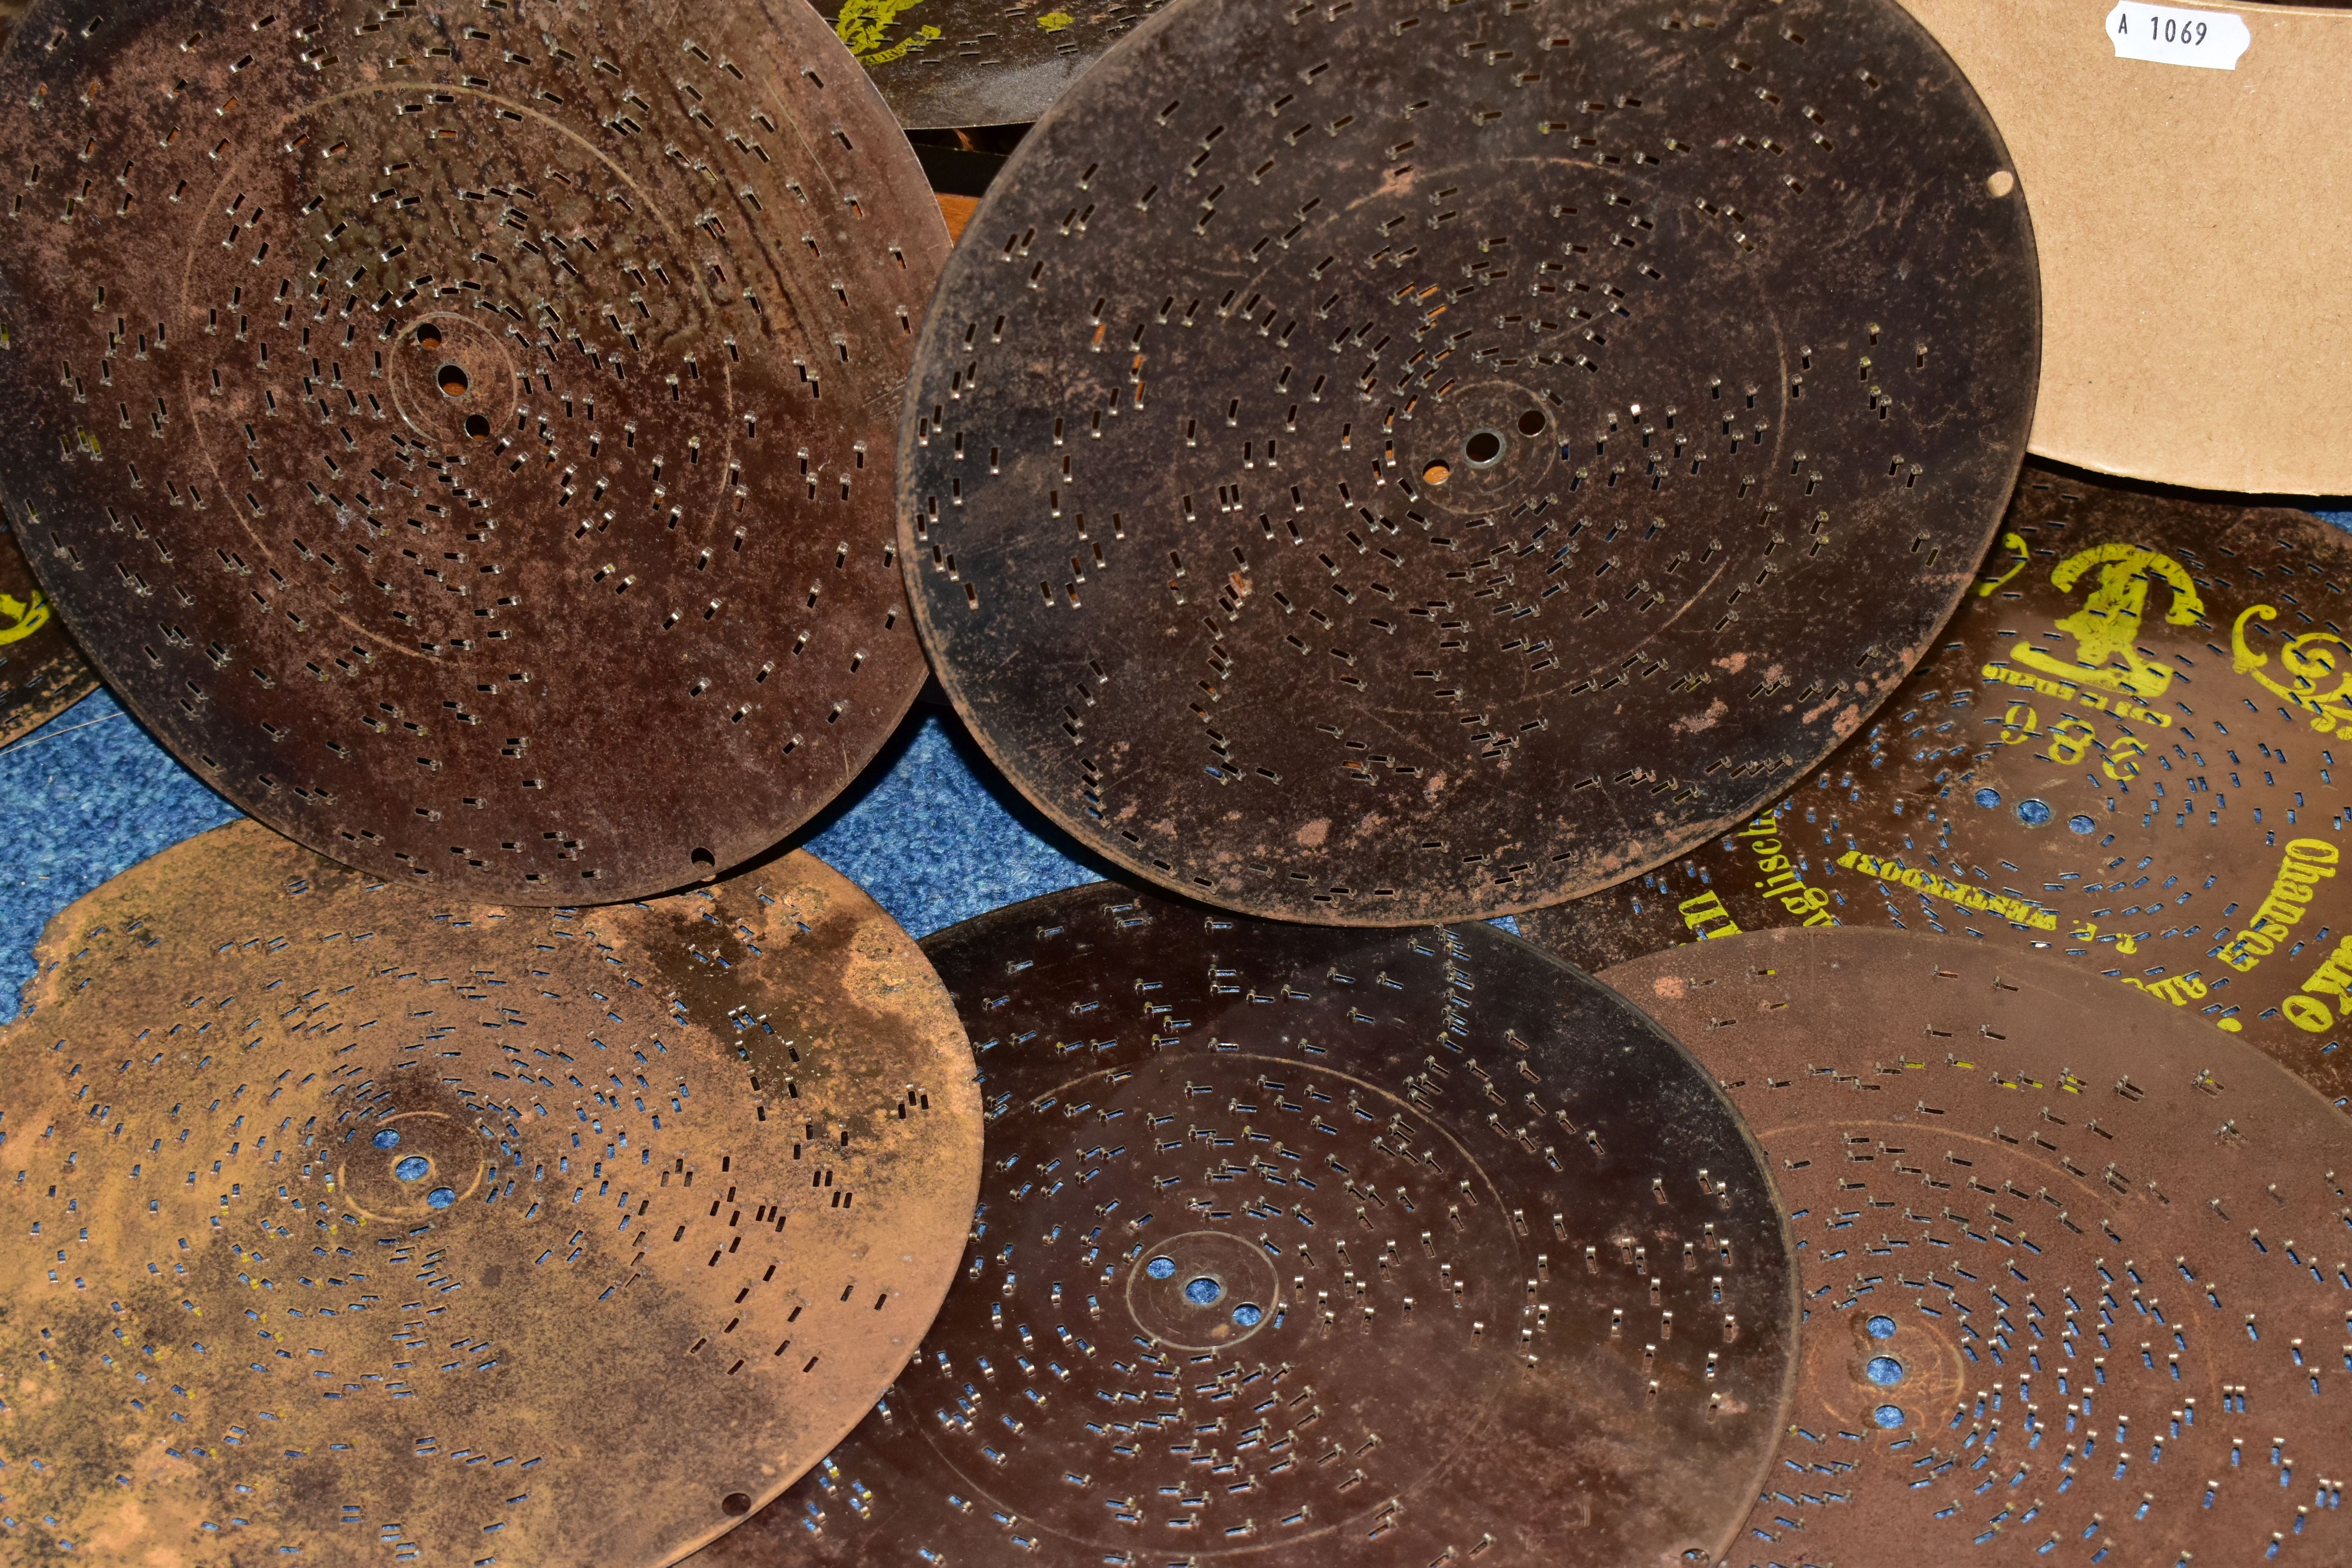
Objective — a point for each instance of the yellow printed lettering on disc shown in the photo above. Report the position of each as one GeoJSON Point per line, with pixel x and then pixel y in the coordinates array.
{"type": "Point", "coordinates": [20, 619]}
{"type": "Point", "coordinates": [2106, 628]}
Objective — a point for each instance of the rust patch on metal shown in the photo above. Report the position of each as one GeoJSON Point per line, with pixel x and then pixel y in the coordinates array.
{"type": "Point", "coordinates": [342, 1224]}
{"type": "Point", "coordinates": [449, 433]}
{"type": "Point", "coordinates": [42, 674]}
{"type": "Point", "coordinates": [2122, 751]}
{"type": "Point", "coordinates": [1529, 486]}
{"type": "Point", "coordinates": [2073, 1266]}
{"type": "Point", "coordinates": [1333, 1246]}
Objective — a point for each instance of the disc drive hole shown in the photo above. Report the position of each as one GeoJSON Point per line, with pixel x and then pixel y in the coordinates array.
{"type": "Point", "coordinates": [1531, 423]}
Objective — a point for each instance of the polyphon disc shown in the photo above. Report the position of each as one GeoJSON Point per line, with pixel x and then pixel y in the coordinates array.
{"type": "Point", "coordinates": [2083, 1296]}
{"type": "Point", "coordinates": [2124, 751]}
{"type": "Point", "coordinates": [942, 63]}
{"type": "Point", "coordinates": [1320, 1247]}
{"type": "Point", "coordinates": [2167, 299]}
{"type": "Point", "coordinates": [42, 674]}
{"type": "Point", "coordinates": [346, 1228]}
{"type": "Point", "coordinates": [1387, 462]}
{"type": "Point", "coordinates": [449, 432]}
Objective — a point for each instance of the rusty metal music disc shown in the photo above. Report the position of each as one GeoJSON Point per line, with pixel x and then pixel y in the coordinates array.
{"type": "Point", "coordinates": [349, 1228]}
{"type": "Point", "coordinates": [944, 63]}
{"type": "Point", "coordinates": [1711, 325]}
{"type": "Point", "coordinates": [42, 674]}
{"type": "Point", "coordinates": [2073, 1267]}
{"type": "Point", "coordinates": [2122, 751]}
{"type": "Point", "coordinates": [1342, 1246]}
{"type": "Point", "coordinates": [450, 432]}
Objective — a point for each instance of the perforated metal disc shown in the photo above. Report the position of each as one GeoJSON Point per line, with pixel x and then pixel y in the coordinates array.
{"type": "Point", "coordinates": [1316, 1247]}
{"type": "Point", "coordinates": [2073, 1268]}
{"type": "Point", "coordinates": [1721, 342]}
{"type": "Point", "coordinates": [345, 1230]}
{"type": "Point", "coordinates": [2165, 769]}
{"type": "Point", "coordinates": [42, 674]}
{"type": "Point", "coordinates": [944, 63]}
{"type": "Point", "coordinates": [465, 438]}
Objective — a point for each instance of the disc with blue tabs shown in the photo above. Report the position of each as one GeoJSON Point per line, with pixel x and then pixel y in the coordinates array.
{"type": "Point", "coordinates": [343, 1226]}
{"type": "Point", "coordinates": [1337, 1246]}
{"type": "Point", "coordinates": [2073, 1266]}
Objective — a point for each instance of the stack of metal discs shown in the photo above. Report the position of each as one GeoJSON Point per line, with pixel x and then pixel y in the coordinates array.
{"type": "Point", "coordinates": [1690, 773]}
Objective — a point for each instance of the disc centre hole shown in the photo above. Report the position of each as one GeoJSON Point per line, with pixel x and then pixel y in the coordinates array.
{"type": "Point", "coordinates": [1202, 1291]}
{"type": "Point", "coordinates": [1884, 1370]}
{"type": "Point", "coordinates": [412, 1168]}
{"type": "Point", "coordinates": [1483, 447]}
{"type": "Point", "coordinates": [453, 381]}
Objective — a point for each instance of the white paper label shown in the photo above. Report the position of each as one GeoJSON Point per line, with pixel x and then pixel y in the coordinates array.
{"type": "Point", "coordinates": [2170, 36]}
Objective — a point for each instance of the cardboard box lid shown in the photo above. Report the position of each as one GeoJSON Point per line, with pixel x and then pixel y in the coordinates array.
{"type": "Point", "coordinates": [2195, 227]}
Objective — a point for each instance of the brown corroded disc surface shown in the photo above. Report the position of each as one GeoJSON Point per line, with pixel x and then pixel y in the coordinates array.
{"type": "Point", "coordinates": [42, 674]}
{"type": "Point", "coordinates": [2134, 811]}
{"type": "Point", "coordinates": [1310, 1246]}
{"type": "Point", "coordinates": [449, 433]}
{"type": "Point", "coordinates": [1395, 461]}
{"type": "Point", "coordinates": [2102, 1248]}
{"type": "Point", "coordinates": [944, 63]}
{"type": "Point", "coordinates": [687, 1180]}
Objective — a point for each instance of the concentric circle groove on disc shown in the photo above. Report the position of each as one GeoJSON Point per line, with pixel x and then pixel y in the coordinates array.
{"type": "Point", "coordinates": [1305, 1245]}
{"type": "Point", "coordinates": [2075, 1268]}
{"type": "Point", "coordinates": [2122, 749]}
{"type": "Point", "coordinates": [450, 434]}
{"type": "Point", "coordinates": [347, 1230]}
{"type": "Point", "coordinates": [1391, 462]}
